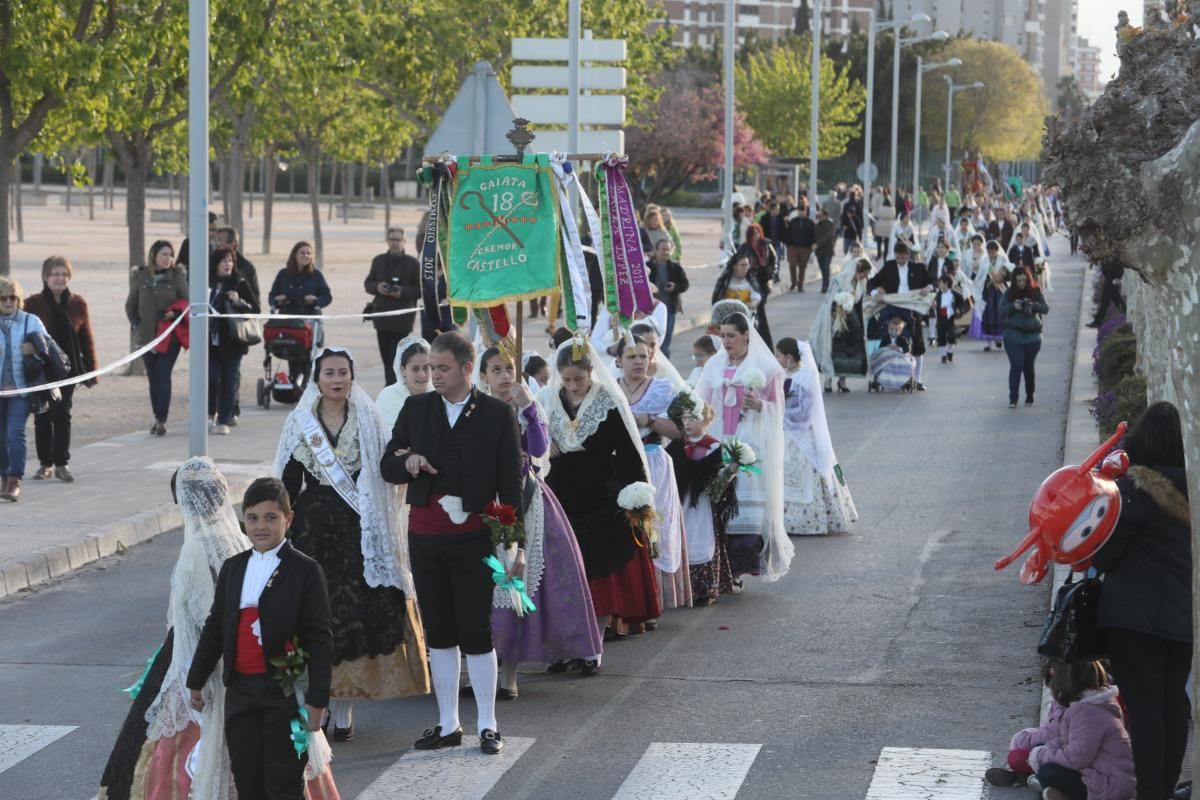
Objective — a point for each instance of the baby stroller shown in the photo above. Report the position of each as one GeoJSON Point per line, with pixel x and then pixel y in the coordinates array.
{"type": "Point", "coordinates": [891, 371]}
{"type": "Point", "coordinates": [292, 341]}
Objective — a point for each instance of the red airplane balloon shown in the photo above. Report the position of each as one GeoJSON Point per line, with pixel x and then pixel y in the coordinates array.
{"type": "Point", "coordinates": [1073, 513]}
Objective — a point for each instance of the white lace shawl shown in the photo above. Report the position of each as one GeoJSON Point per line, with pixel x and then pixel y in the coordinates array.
{"type": "Point", "coordinates": [211, 535]}
{"type": "Point", "coordinates": [384, 536]}
{"type": "Point", "coordinates": [804, 415]}
{"type": "Point", "coordinates": [391, 398]}
{"type": "Point", "coordinates": [763, 430]}
{"type": "Point", "coordinates": [820, 335]}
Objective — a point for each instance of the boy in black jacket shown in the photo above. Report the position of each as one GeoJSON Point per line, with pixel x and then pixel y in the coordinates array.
{"type": "Point", "coordinates": [269, 601]}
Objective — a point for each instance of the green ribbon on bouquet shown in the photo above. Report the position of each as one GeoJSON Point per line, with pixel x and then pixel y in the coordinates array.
{"type": "Point", "coordinates": [749, 469]}
{"type": "Point", "coordinates": [500, 576]}
{"type": "Point", "coordinates": [136, 689]}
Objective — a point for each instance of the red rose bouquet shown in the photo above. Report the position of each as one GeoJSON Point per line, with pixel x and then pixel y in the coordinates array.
{"type": "Point", "coordinates": [502, 522]}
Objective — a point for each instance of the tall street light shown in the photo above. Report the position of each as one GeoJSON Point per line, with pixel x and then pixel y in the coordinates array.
{"type": "Point", "coordinates": [873, 28]}
{"type": "Point", "coordinates": [922, 68]}
{"type": "Point", "coordinates": [198, 224]}
{"type": "Point", "coordinates": [902, 42]}
{"type": "Point", "coordinates": [952, 89]}
{"type": "Point", "coordinates": [814, 110]}
{"type": "Point", "coordinates": [727, 172]}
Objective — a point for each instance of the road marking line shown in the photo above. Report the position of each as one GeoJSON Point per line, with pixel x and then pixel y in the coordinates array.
{"type": "Point", "coordinates": [19, 742]}
{"type": "Point", "coordinates": [463, 773]}
{"type": "Point", "coordinates": [924, 774]}
{"type": "Point", "coordinates": [689, 771]}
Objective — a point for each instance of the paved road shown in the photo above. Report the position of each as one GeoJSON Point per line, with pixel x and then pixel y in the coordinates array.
{"type": "Point", "coordinates": [899, 635]}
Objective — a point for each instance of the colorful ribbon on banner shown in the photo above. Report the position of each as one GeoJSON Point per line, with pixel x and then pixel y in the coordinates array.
{"type": "Point", "coordinates": [433, 286]}
{"type": "Point", "coordinates": [500, 576]}
{"type": "Point", "coordinates": [577, 302]}
{"type": "Point", "coordinates": [624, 262]}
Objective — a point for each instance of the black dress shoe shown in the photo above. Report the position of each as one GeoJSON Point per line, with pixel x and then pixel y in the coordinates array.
{"type": "Point", "coordinates": [433, 740]}
{"type": "Point", "coordinates": [490, 742]}
{"type": "Point", "coordinates": [343, 734]}
{"type": "Point", "coordinates": [590, 668]}
{"type": "Point", "coordinates": [506, 694]}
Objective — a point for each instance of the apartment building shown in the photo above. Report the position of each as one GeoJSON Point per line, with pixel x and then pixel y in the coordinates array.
{"type": "Point", "coordinates": [1088, 72]}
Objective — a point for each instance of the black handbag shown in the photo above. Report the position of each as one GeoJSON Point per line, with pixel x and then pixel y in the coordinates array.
{"type": "Point", "coordinates": [1072, 633]}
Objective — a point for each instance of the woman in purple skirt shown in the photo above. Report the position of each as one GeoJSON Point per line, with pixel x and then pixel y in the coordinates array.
{"type": "Point", "coordinates": [990, 283]}
{"type": "Point", "coordinates": [562, 631]}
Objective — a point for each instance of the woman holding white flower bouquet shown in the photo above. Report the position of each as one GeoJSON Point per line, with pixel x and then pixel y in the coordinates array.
{"type": "Point", "coordinates": [598, 472]}
{"type": "Point", "coordinates": [839, 332]}
{"type": "Point", "coordinates": [562, 631]}
{"type": "Point", "coordinates": [744, 384]}
{"type": "Point", "coordinates": [817, 501]}
{"type": "Point", "coordinates": [649, 400]}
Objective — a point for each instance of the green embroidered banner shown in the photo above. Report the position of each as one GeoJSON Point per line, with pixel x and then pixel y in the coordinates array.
{"type": "Point", "coordinates": [504, 233]}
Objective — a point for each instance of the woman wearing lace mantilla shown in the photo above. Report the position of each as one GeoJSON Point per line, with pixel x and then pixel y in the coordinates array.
{"type": "Point", "coordinates": [346, 520]}
{"type": "Point", "coordinates": [412, 377]}
{"type": "Point", "coordinates": [166, 750]}
{"type": "Point", "coordinates": [562, 631]}
{"type": "Point", "coordinates": [595, 453]}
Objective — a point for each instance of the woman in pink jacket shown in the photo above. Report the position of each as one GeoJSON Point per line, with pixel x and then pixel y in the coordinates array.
{"type": "Point", "coordinates": [1082, 752]}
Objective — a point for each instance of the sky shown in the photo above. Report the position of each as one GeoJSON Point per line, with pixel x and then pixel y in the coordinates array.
{"type": "Point", "coordinates": [1097, 21]}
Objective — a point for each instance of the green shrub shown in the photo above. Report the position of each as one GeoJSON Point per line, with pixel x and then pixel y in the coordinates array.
{"type": "Point", "coordinates": [1118, 355]}
{"type": "Point", "coordinates": [1130, 403]}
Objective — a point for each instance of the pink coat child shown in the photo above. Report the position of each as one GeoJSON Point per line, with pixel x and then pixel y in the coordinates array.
{"type": "Point", "coordinates": [1087, 736]}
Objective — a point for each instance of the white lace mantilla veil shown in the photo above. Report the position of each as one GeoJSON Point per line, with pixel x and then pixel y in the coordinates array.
{"type": "Point", "coordinates": [604, 396]}
{"type": "Point", "coordinates": [211, 534]}
{"type": "Point", "coordinates": [764, 428]}
{"type": "Point", "coordinates": [821, 332]}
{"type": "Point", "coordinates": [983, 276]}
{"type": "Point", "coordinates": [384, 527]}
{"type": "Point", "coordinates": [818, 448]}
{"type": "Point", "coordinates": [392, 398]}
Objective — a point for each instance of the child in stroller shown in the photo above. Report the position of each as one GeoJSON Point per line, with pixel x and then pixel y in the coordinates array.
{"type": "Point", "coordinates": [891, 366]}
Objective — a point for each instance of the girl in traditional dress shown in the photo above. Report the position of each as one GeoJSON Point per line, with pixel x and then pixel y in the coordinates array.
{"type": "Point", "coordinates": [346, 519]}
{"type": "Point", "coordinates": [744, 384]}
{"type": "Point", "coordinates": [697, 460]}
{"type": "Point", "coordinates": [166, 750]}
{"type": "Point", "coordinates": [839, 332]}
{"type": "Point", "coordinates": [903, 231]}
{"type": "Point", "coordinates": [817, 498]}
{"type": "Point", "coordinates": [562, 631]}
{"type": "Point", "coordinates": [990, 284]}
{"type": "Point", "coordinates": [736, 283]}
{"type": "Point", "coordinates": [657, 367]}
{"type": "Point", "coordinates": [595, 453]}
{"type": "Point", "coordinates": [649, 399]}
{"type": "Point", "coordinates": [412, 377]}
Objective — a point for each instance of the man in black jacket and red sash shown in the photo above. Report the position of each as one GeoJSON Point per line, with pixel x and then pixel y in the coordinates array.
{"type": "Point", "coordinates": [457, 449]}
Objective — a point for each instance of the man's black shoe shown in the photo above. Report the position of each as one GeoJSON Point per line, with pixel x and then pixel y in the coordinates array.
{"type": "Point", "coordinates": [343, 734]}
{"type": "Point", "coordinates": [490, 742]}
{"type": "Point", "coordinates": [433, 740]}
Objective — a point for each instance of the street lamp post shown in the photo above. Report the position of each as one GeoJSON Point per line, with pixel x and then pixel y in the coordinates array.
{"type": "Point", "coordinates": [727, 172]}
{"type": "Point", "coordinates": [874, 27]}
{"type": "Point", "coordinates": [922, 68]}
{"type": "Point", "coordinates": [814, 112]}
{"type": "Point", "coordinates": [899, 43]}
{"type": "Point", "coordinates": [951, 90]}
{"type": "Point", "coordinates": [198, 225]}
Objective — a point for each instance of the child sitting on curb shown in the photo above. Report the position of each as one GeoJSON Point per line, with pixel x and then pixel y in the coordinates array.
{"type": "Point", "coordinates": [1082, 752]}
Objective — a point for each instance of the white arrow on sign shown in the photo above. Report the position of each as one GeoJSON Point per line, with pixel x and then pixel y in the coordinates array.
{"type": "Point", "coordinates": [556, 49]}
{"type": "Point", "coordinates": [607, 78]}
{"type": "Point", "coordinates": [551, 109]}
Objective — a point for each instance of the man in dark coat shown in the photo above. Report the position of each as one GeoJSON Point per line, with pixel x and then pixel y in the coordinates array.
{"type": "Point", "coordinates": [903, 275]}
{"type": "Point", "coordinates": [394, 282]}
{"type": "Point", "coordinates": [670, 282]}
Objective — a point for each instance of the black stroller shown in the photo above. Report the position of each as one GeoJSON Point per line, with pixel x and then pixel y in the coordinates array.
{"type": "Point", "coordinates": [291, 341]}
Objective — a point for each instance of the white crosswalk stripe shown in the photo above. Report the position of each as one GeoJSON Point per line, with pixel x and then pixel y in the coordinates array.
{"type": "Point", "coordinates": [19, 742]}
{"type": "Point", "coordinates": [462, 773]}
{"type": "Point", "coordinates": [913, 773]}
{"type": "Point", "coordinates": [689, 771]}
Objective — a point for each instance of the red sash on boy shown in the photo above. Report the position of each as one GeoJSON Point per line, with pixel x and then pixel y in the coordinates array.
{"type": "Point", "coordinates": [248, 658]}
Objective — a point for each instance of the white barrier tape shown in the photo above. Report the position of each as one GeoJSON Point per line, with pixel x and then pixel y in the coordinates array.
{"type": "Point", "coordinates": [87, 376]}
{"type": "Point", "coordinates": [202, 311]}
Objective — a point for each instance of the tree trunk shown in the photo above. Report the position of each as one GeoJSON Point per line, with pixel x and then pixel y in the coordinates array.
{"type": "Point", "coordinates": [109, 180]}
{"type": "Point", "coordinates": [134, 155]}
{"type": "Point", "coordinates": [386, 192]}
{"type": "Point", "coordinates": [252, 166]}
{"type": "Point", "coordinates": [365, 187]}
{"type": "Point", "coordinates": [268, 197]}
{"type": "Point", "coordinates": [314, 200]}
{"type": "Point", "coordinates": [17, 203]}
{"type": "Point", "coordinates": [223, 189]}
{"type": "Point", "coordinates": [333, 176]}
{"type": "Point", "coordinates": [6, 172]}
{"type": "Point", "coordinates": [234, 169]}
{"type": "Point", "coordinates": [91, 168]}
{"type": "Point", "coordinates": [347, 188]}
{"type": "Point", "coordinates": [70, 191]}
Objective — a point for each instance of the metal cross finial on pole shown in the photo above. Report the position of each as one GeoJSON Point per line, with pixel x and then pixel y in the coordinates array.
{"type": "Point", "coordinates": [520, 136]}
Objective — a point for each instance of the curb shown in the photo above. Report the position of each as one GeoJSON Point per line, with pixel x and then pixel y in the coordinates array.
{"type": "Point", "coordinates": [49, 563]}
{"type": "Point", "coordinates": [1080, 436]}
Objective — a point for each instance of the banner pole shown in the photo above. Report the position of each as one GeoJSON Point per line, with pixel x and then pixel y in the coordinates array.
{"type": "Point", "coordinates": [520, 331]}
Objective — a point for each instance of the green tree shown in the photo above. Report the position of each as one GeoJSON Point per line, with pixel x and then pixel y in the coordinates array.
{"type": "Point", "coordinates": [1004, 119]}
{"type": "Point", "coordinates": [774, 91]}
{"type": "Point", "coordinates": [51, 60]}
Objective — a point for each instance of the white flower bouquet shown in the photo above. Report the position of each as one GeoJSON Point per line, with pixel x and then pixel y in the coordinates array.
{"type": "Point", "coordinates": [637, 500]}
{"type": "Point", "coordinates": [636, 496]}
{"type": "Point", "coordinates": [843, 304]}
{"type": "Point", "coordinates": [754, 378]}
{"type": "Point", "coordinates": [737, 457]}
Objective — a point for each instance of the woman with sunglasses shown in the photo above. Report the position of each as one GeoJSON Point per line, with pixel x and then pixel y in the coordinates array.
{"type": "Point", "coordinates": [15, 326]}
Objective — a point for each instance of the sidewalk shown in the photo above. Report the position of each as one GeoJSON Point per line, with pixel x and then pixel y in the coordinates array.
{"type": "Point", "coordinates": [122, 494]}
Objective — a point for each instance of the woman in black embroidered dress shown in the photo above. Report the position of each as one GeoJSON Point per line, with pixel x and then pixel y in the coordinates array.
{"type": "Point", "coordinates": [379, 649]}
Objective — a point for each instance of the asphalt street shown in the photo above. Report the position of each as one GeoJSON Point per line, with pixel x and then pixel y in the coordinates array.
{"type": "Point", "coordinates": [897, 635]}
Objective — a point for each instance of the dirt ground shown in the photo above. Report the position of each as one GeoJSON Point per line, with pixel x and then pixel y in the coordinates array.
{"type": "Point", "coordinates": [98, 250]}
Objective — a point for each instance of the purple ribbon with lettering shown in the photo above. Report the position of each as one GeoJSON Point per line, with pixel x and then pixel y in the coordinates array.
{"type": "Point", "coordinates": [629, 262]}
